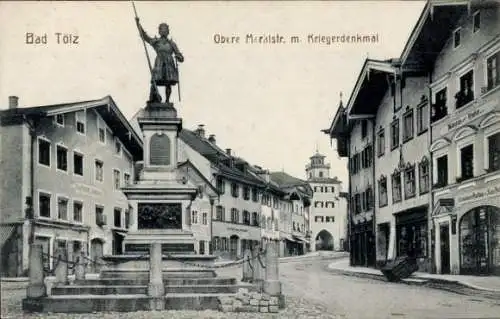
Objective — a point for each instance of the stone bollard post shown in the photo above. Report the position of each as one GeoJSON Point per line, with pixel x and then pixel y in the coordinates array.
{"type": "Point", "coordinates": [247, 266]}
{"type": "Point", "coordinates": [272, 284]}
{"type": "Point", "coordinates": [36, 287]}
{"type": "Point", "coordinates": [80, 267]}
{"type": "Point", "coordinates": [61, 271]}
{"type": "Point", "coordinates": [156, 289]}
{"type": "Point", "coordinates": [258, 270]}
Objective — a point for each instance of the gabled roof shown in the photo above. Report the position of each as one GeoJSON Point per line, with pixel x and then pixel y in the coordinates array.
{"type": "Point", "coordinates": [105, 107]}
{"type": "Point", "coordinates": [199, 144]}
{"type": "Point", "coordinates": [339, 126]}
{"type": "Point", "coordinates": [292, 185]}
{"type": "Point", "coordinates": [218, 158]}
{"type": "Point", "coordinates": [371, 86]}
{"type": "Point", "coordinates": [434, 26]}
{"type": "Point", "coordinates": [285, 180]}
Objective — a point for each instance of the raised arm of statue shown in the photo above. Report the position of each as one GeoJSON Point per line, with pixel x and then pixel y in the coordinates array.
{"type": "Point", "coordinates": [143, 33]}
{"type": "Point", "coordinates": [177, 53]}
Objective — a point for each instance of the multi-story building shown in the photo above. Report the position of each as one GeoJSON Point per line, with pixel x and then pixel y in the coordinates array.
{"type": "Point", "coordinates": [237, 212]}
{"type": "Point", "coordinates": [63, 167]}
{"type": "Point", "coordinates": [294, 231]}
{"type": "Point", "coordinates": [328, 220]}
{"type": "Point", "coordinates": [355, 139]}
{"type": "Point", "coordinates": [436, 195]}
{"type": "Point", "coordinates": [465, 126]}
{"type": "Point", "coordinates": [271, 199]}
{"type": "Point", "coordinates": [391, 102]}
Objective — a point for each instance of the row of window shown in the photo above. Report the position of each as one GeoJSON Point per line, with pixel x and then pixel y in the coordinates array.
{"type": "Point", "coordinates": [465, 93]}
{"type": "Point", "coordinates": [409, 175]}
{"type": "Point", "coordinates": [363, 201]}
{"type": "Point", "coordinates": [248, 219]}
{"type": "Point", "coordinates": [298, 227]}
{"type": "Point", "coordinates": [59, 119]}
{"type": "Point", "coordinates": [476, 26]}
{"type": "Point", "coordinates": [407, 129]}
{"type": "Point", "coordinates": [324, 189]}
{"type": "Point", "coordinates": [269, 223]}
{"type": "Point", "coordinates": [253, 194]}
{"type": "Point", "coordinates": [466, 161]}
{"type": "Point", "coordinates": [327, 204]}
{"type": "Point", "coordinates": [194, 218]}
{"type": "Point", "coordinates": [231, 244]}
{"type": "Point", "coordinates": [44, 158]}
{"type": "Point", "coordinates": [361, 160]}
{"type": "Point", "coordinates": [235, 190]}
{"type": "Point", "coordinates": [439, 110]}
{"type": "Point", "coordinates": [76, 213]}
{"type": "Point", "coordinates": [324, 219]}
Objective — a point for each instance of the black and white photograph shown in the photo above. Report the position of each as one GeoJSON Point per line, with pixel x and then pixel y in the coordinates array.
{"type": "Point", "coordinates": [250, 159]}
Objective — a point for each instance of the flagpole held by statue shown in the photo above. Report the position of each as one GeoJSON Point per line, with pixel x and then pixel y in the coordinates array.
{"type": "Point", "coordinates": [165, 71]}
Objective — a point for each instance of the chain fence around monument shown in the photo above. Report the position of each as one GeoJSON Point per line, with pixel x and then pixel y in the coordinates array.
{"type": "Point", "coordinates": [94, 262]}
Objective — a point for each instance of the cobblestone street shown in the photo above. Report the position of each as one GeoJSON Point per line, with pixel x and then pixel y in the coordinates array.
{"type": "Point", "coordinates": [314, 292]}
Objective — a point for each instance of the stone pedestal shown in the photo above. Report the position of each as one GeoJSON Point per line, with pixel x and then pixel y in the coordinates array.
{"type": "Point", "coordinates": [36, 287]}
{"type": "Point", "coordinates": [156, 289]}
{"type": "Point", "coordinates": [258, 269]}
{"type": "Point", "coordinates": [247, 266]}
{"type": "Point", "coordinates": [272, 284]}
{"type": "Point", "coordinates": [61, 270]}
{"type": "Point", "coordinates": [80, 267]}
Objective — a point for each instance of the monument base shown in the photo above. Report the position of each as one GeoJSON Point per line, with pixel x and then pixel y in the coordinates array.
{"type": "Point", "coordinates": [162, 110]}
{"type": "Point", "coordinates": [173, 241]}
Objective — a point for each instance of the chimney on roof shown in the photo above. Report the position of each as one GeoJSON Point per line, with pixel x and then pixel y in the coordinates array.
{"type": "Point", "coordinates": [211, 138]}
{"type": "Point", "coordinates": [201, 130]}
{"type": "Point", "coordinates": [228, 151]}
{"type": "Point", "coordinates": [13, 102]}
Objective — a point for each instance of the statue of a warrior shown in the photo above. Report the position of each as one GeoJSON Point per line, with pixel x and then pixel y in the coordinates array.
{"type": "Point", "coordinates": [164, 71]}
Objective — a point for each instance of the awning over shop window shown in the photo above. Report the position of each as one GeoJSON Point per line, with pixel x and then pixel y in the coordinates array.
{"type": "Point", "coordinates": [290, 238]}
{"type": "Point", "coordinates": [301, 239]}
{"type": "Point", "coordinates": [119, 232]}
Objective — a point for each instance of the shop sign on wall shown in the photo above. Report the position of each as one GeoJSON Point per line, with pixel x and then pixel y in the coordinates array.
{"type": "Point", "coordinates": [463, 119]}
{"type": "Point", "coordinates": [479, 194]}
{"type": "Point", "coordinates": [86, 189]}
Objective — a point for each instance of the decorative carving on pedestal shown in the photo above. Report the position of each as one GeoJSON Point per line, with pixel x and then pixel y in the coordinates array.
{"type": "Point", "coordinates": [159, 216]}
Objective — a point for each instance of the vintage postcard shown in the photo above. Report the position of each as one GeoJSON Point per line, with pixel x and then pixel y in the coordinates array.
{"type": "Point", "coordinates": [250, 159]}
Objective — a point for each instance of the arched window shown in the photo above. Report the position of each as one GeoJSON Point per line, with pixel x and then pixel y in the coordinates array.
{"type": "Point", "coordinates": [159, 150]}
{"type": "Point", "coordinates": [320, 174]}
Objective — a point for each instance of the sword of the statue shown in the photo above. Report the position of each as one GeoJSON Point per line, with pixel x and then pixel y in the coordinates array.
{"type": "Point", "coordinates": [147, 54]}
{"type": "Point", "coordinates": [178, 78]}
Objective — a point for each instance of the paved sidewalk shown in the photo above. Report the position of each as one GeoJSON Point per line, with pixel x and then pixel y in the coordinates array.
{"type": "Point", "coordinates": [487, 284]}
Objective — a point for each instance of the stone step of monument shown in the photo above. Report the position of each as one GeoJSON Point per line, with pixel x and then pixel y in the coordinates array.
{"type": "Point", "coordinates": [88, 303]}
{"type": "Point", "coordinates": [120, 303]}
{"type": "Point", "coordinates": [140, 289]}
{"type": "Point", "coordinates": [170, 273]}
{"type": "Point", "coordinates": [201, 289]}
{"type": "Point", "coordinates": [100, 290]}
{"type": "Point", "coordinates": [167, 281]}
{"type": "Point", "coordinates": [194, 301]}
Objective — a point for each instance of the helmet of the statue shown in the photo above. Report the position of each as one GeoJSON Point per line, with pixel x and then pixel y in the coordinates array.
{"type": "Point", "coordinates": [163, 29]}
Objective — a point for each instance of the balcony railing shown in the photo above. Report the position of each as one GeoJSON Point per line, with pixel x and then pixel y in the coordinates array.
{"type": "Point", "coordinates": [463, 98]}
{"type": "Point", "coordinates": [439, 111]}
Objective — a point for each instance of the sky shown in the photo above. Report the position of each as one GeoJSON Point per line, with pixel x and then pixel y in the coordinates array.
{"type": "Point", "coordinates": [267, 102]}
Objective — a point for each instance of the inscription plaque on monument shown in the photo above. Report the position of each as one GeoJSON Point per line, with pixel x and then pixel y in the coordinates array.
{"type": "Point", "coordinates": [159, 216]}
